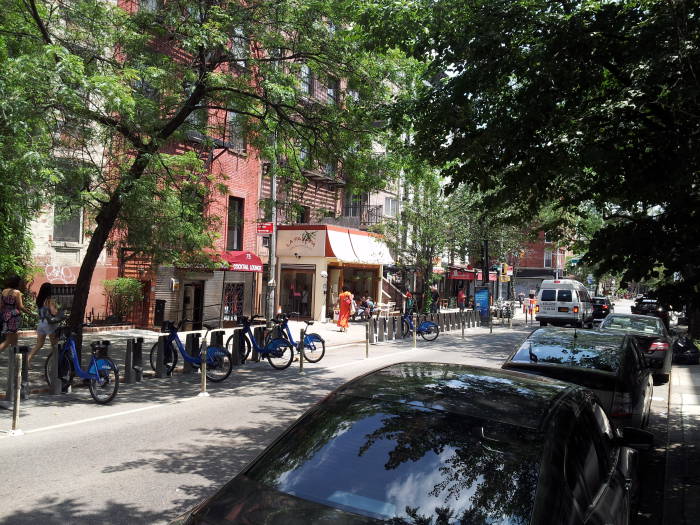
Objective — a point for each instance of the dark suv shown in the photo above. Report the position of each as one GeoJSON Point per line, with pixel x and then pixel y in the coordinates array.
{"type": "Point", "coordinates": [602, 306]}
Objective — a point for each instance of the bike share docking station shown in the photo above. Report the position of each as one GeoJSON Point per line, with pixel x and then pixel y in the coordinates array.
{"type": "Point", "coordinates": [17, 385]}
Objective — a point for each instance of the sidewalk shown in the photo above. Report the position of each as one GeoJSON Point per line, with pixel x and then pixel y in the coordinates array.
{"type": "Point", "coordinates": [682, 494]}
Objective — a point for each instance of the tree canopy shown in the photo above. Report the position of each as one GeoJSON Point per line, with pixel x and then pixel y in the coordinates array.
{"type": "Point", "coordinates": [538, 103]}
{"type": "Point", "coordinates": [128, 85]}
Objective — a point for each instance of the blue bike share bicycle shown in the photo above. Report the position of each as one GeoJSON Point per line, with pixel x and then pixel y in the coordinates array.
{"type": "Point", "coordinates": [278, 351]}
{"type": "Point", "coordinates": [428, 330]}
{"type": "Point", "coordinates": [102, 373]}
{"type": "Point", "coordinates": [314, 345]}
{"type": "Point", "coordinates": [219, 364]}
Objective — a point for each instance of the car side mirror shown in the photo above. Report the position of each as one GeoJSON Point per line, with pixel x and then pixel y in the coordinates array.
{"type": "Point", "coordinates": [635, 438]}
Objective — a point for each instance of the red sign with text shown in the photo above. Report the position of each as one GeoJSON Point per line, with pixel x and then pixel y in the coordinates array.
{"type": "Point", "coordinates": [265, 228]}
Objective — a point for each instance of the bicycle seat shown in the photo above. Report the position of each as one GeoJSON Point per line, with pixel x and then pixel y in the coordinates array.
{"type": "Point", "coordinates": [309, 323]}
{"type": "Point", "coordinates": [244, 319]}
{"type": "Point", "coordinates": [208, 327]}
{"type": "Point", "coordinates": [277, 321]}
{"type": "Point", "coordinates": [295, 314]}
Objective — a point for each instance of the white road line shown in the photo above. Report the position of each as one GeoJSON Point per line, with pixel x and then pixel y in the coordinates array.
{"type": "Point", "coordinates": [160, 405]}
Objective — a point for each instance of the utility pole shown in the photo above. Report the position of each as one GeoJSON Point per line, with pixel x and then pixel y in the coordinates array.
{"type": "Point", "coordinates": [272, 263]}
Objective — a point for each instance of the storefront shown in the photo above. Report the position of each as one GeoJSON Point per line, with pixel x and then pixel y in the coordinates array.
{"type": "Point", "coordinates": [459, 277]}
{"type": "Point", "coordinates": [207, 295]}
{"type": "Point", "coordinates": [315, 262]}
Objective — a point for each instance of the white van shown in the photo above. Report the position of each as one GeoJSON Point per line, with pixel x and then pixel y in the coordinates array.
{"type": "Point", "coordinates": [564, 301]}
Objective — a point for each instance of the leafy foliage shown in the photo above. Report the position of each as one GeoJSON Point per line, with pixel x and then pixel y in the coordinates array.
{"type": "Point", "coordinates": [123, 293]}
{"type": "Point", "coordinates": [540, 104]}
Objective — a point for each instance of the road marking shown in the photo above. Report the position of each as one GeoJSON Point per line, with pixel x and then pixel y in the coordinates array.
{"type": "Point", "coordinates": [151, 407]}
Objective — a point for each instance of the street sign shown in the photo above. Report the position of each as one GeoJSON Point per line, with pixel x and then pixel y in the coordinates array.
{"type": "Point", "coordinates": [590, 278]}
{"type": "Point", "coordinates": [265, 228]}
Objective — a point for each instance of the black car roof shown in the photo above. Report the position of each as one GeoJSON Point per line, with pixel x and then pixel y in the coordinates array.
{"type": "Point", "coordinates": [585, 349]}
{"type": "Point", "coordinates": [491, 394]}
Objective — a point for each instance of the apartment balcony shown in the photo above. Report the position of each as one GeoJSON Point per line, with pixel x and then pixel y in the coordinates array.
{"type": "Point", "coordinates": [360, 216]}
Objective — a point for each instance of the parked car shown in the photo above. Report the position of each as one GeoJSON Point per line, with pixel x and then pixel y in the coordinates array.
{"type": "Point", "coordinates": [646, 306]}
{"type": "Point", "coordinates": [652, 337]}
{"type": "Point", "coordinates": [563, 302]}
{"type": "Point", "coordinates": [602, 306]}
{"type": "Point", "coordinates": [685, 352]}
{"type": "Point", "coordinates": [610, 365]}
{"type": "Point", "coordinates": [426, 442]}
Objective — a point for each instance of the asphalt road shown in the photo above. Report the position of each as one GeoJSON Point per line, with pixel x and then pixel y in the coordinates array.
{"type": "Point", "coordinates": [159, 449]}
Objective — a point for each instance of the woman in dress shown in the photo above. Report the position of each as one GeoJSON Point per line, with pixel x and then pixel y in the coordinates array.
{"type": "Point", "coordinates": [11, 308]}
{"type": "Point", "coordinates": [48, 311]}
{"type": "Point", "coordinates": [345, 301]}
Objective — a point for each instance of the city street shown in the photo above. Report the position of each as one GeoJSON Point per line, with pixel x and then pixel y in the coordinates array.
{"type": "Point", "coordinates": [159, 449]}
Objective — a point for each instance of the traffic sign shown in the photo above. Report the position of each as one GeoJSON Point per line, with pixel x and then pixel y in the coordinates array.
{"type": "Point", "coordinates": [265, 228]}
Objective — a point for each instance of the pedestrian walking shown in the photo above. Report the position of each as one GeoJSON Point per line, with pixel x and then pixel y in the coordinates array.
{"type": "Point", "coordinates": [435, 304]}
{"type": "Point", "coordinates": [346, 303]}
{"type": "Point", "coordinates": [49, 318]}
{"type": "Point", "coordinates": [461, 299]}
{"type": "Point", "coordinates": [11, 308]}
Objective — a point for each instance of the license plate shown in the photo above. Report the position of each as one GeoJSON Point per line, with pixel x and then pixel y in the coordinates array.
{"type": "Point", "coordinates": [563, 309]}
{"type": "Point", "coordinates": [548, 308]}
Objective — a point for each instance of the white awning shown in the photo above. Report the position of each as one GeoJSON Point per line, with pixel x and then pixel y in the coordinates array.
{"type": "Point", "coordinates": [371, 250]}
{"type": "Point", "coordinates": [341, 247]}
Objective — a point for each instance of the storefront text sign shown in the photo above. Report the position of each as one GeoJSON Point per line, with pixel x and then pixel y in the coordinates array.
{"type": "Point", "coordinates": [265, 228]}
{"type": "Point", "coordinates": [301, 243]}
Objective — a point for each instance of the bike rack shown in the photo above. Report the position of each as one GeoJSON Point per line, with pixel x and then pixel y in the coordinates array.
{"type": "Point", "coordinates": [101, 348]}
{"type": "Point", "coordinates": [259, 334]}
{"type": "Point", "coordinates": [133, 361]}
{"type": "Point", "coordinates": [12, 387]}
{"type": "Point", "coordinates": [381, 329]}
{"type": "Point", "coordinates": [192, 349]}
{"type": "Point", "coordinates": [236, 347]}
{"type": "Point", "coordinates": [391, 328]}
{"type": "Point", "coordinates": [160, 357]}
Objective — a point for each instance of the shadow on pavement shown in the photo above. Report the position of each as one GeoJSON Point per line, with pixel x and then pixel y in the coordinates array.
{"type": "Point", "coordinates": [50, 511]}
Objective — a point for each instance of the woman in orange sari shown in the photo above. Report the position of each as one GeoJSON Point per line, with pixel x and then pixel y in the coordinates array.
{"type": "Point", "coordinates": [345, 301]}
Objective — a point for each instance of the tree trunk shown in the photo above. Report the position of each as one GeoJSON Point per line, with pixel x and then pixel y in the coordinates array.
{"type": "Point", "coordinates": [105, 220]}
{"type": "Point", "coordinates": [694, 322]}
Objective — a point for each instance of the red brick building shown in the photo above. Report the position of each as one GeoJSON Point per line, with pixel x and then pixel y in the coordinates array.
{"type": "Point", "coordinates": [540, 260]}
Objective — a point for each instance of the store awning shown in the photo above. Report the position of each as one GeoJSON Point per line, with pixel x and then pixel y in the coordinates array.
{"type": "Point", "coordinates": [370, 249]}
{"type": "Point", "coordinates": [461, 274]}
{"type": "Point", "coordinates": [338, 245]}
{"type": "Point", "coordinates": [240, 261]}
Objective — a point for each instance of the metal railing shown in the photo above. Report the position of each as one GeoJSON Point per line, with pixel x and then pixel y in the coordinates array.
{"type": "Point", "coordinates": [366, 214]}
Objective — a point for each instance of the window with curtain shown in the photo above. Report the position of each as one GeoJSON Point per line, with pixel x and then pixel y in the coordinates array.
{"type": "Point", "coordinates": [307, 81]}
{"type": "Point", "coordinates": [235, 132]}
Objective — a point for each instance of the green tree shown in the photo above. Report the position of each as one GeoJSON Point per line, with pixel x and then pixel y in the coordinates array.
{"type": "Point", "coordinates": [127, 87]}
{"type": "Point", "coordinates": [541, 103]}
{"type": "Point", "coordinates": [123, 294]}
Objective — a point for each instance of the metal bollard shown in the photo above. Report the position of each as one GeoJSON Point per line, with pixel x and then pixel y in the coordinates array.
{"type": "Point", "coordinates": [203, 369]}
{"type": "Point", "coordinates": [415, 328]}
{"type": "Point", "coordinates": [236, 347]}
{"type": "Point", "coordinates": [462, 322]}
{"type": "Point", "coordinates": [367, 329]}
{"type": "Point", "coordinates": [56, 383]}
{"type": "Point", "coordinates": [160, 357]}
{"type": "Point", "coordinates": [138, 359]}
{"type": "Point", "coordinates": [259, 334]}
{"type": "Point", "coordinates": [381, 329]}
{"type": "Point", "coordinates": [300, 349]}
{"type": "Point", "coordinates": [217, 338]}
{"type": "Point", "coordinates": [391, 328]}
{"type": "Point", "coordinates": [372, 328]}
{"type": "Point", "coordinates": [19, 352]}
{"type": "Point", "coordinates": [129, 372]}
{"type": "Point", "coordinates": [192, 348]}
{"type": "Point", "coordinates": [441, 322]}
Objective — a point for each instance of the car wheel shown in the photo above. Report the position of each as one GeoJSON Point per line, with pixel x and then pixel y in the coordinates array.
{"type": "Point", "coordinates": [660, 379]}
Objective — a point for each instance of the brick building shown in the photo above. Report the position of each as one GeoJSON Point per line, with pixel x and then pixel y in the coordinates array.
{"type": "Point", "coordinates": [540, 260]}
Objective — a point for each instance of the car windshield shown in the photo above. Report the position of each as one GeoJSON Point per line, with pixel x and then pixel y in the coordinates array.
{"type": "Point", "coordinates": [587, 349]}
{"type": "Point", "coordinates": [406, 464]}
{"type": "Point", "coordinates": [632, 324]}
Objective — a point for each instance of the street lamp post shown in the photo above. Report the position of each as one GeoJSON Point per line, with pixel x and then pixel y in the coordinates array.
{"type": "Point", "coordinates": [272, 263]}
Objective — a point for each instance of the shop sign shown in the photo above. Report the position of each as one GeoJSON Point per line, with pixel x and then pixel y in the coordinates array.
{"type": "Point", "coordinates": [457, 273]}
{"type": "Point", "coordinates": [301, 243]}
{"type": "Point", "coordinates": [265, 228]}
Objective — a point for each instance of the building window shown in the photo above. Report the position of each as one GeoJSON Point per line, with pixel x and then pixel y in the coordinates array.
{"type": "Point", "coordinates": [353, 204]}
{"type": "Point", "coordinates": [235, 132]}
{"type": "Point", "coordinates": [547, 237]}
{"type": "Point", "coordinates": [332, 90]}
{"type": "Point", "coordinates": [234, 230]}
{"type": "Point", "coordinates": [303, 215]}
{"type": "Point", "coordinates": [548, 258]}
{"type": "Point", "coordinates": [67, 228]}
{"type": "Point", "coordinates": [391, 207]}
{"type": "Point", "coordinates": [329, 169]}
{"type": "Point", "coordinates": [307, 80]}
{"type": "Point", "coordinates": [150, 6]}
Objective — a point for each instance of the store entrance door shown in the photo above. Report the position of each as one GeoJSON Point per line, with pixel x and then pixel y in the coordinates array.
{"type": "Point", "coordinates": [193, 303]}
{"type": "Point", "coordinates": [297, 290]}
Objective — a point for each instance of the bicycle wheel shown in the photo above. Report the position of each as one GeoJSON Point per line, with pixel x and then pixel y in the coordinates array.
{"type": "Point", "coordinates": [169, 359]}
{"type": "Point", "coordinates": [429, 331]}
{"type": "Point", "coordinates": [269, 336]}
{"type": "Point", "coordinates": [65, 371]}
{"type": "Point", "coordinates": [106, 387]}
{"type": "Point", "coordinates": [405, 328]}
{"type": "Point", "coordinates": [243, 351]}
{"type": "Point", "coordinates": [219, 364]}
{"type": "Point", "coordinates": [314, 348]}
{"type": "Point", "coordinates": [279, 353]}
